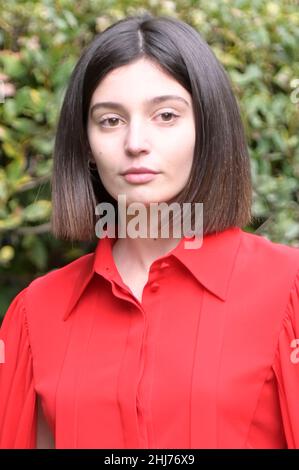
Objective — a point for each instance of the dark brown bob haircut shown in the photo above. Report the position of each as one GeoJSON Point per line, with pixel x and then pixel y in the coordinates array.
{"type": "Point", "coordinates": [220, 175]}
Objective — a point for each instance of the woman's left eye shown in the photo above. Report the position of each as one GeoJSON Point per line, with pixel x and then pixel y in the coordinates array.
{"type": "Point", "coordinates": [168, 114]}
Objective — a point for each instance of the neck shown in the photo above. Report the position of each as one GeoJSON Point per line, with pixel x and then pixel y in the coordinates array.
{"type": "Point", "coordinates": [143, 251]}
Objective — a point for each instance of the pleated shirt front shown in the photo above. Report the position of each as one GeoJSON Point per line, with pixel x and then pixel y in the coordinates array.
{"type": "Point", "coordinates": [207, 359]}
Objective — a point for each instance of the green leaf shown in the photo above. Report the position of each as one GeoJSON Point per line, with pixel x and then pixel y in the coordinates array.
{"type": "Point", "coordinates": [37, 212]}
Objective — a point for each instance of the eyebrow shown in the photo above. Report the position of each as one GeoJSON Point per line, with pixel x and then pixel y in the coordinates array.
{"type": "Point", "coordinates": [155, 100]}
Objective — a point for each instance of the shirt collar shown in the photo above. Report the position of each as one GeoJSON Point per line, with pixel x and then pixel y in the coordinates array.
{"type": "Point", "coordinates": [211, 264]}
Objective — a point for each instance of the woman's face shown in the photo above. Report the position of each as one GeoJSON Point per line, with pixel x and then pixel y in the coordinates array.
{"type": "Point", "coordinates": [140, 127]}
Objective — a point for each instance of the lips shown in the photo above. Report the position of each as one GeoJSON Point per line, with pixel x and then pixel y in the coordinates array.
{"type": "Point", "coordinates": [139, 175]}
{"type": "Point", "coordinates": [140, 170]}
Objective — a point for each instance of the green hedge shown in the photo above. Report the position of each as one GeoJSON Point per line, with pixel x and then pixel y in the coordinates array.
{"type": "Point", "coordinates": [40, 41]}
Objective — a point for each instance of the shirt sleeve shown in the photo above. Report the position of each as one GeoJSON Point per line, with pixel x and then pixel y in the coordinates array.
{"type": "Point", "coordinates": [286, 368]}
{"type": "Point", "coordinates": [18, 409]}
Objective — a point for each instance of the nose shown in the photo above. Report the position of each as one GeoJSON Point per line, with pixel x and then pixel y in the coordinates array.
{"type": "Point", "coordinates": [136, 141]}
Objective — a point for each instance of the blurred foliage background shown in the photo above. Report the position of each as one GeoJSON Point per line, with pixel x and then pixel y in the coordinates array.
{"type": "Point", "coordinates": [40, 42]}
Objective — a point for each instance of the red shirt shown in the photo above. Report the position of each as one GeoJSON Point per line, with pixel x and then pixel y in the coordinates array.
{"type": "Point", "coordinates": [209, 359]}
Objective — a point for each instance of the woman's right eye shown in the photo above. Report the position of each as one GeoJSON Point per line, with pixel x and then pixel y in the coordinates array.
{"type": "Point", "coordinates": [111, 121]}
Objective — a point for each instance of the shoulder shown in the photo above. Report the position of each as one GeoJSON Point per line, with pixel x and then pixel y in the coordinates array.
{"type": "Point", "coordinates": [48, 297]}
{"type": "Point", "coordinates": [264, 283]}
{"type": "Point", "coordinates": [59, 283]}
{"type": "Point", "coordinates": [260, 249]}
{"type": "Point", "coordinates": [266, 267]}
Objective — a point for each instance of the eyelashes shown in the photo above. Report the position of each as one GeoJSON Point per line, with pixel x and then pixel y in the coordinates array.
{"type": "Point", "coordinates": [113, 120]}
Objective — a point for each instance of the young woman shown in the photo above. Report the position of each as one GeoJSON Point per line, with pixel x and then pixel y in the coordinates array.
{"type": "Point", "coordinates": [147, 343]}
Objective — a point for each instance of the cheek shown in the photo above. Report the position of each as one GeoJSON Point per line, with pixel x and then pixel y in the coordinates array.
{"type": "Point", "coordinates": [189, 148]}
{"type": "Point", "coordinates": [104, 164]}
{"type": "Point", "coordinates": [182, 163]}
{"type": "Point", "coordinates": [181, 158]}
{"type": "Point", "coordinates": [182, 142]}
{"type": "Point", "coordinates": [105, 152]}
{"type": "Point", "coordinates": [98, 144]}
{"type": "Point", "coordinates": [100, 154]}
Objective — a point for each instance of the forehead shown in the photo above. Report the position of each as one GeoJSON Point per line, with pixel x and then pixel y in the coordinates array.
{"type": "Point", "coordinates": [138, 79]}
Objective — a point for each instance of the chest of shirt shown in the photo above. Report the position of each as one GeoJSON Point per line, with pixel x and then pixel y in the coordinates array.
{"type": "Point", "coordinates": [185, 355]}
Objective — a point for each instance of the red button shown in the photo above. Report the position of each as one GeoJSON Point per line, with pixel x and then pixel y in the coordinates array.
{"type": "Point", "coordinates": [164, 264]}
{"type": "Point", "coordinates": [154, 286]}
